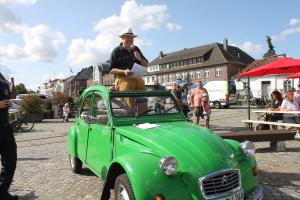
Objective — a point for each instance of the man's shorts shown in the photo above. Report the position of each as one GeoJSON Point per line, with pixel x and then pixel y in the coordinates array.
{"type": "Point", "coordinates": [198, 111]}
{"type": "Point", "coordinates": [206, 116]}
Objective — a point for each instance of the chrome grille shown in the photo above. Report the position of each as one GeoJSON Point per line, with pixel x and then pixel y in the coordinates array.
{"type": "Point", "coordinates": [219, 183]}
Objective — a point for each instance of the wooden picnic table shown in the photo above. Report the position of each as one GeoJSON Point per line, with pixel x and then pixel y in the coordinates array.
{"type": "Point", "coordinates": [276, 137]}
{"type": "Point", "coordinates": [276, 111]}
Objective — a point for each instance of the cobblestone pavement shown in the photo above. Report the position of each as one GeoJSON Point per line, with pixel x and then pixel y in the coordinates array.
{"type": "Point", "coordinates": [43, 169]}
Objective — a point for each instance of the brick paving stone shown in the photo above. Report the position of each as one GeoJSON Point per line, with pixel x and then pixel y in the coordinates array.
{"type": "Point", "coordinates": [43, 170]}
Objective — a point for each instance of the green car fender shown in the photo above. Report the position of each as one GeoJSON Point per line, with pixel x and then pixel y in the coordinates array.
{"type": "Point", "coordinates": [247, 165]}
{"type": "Point", "coordinates": [72, 141]}
{"type": "Point", "coordinates": [148, 180]}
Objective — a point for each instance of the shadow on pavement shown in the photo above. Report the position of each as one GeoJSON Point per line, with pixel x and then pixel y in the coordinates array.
{"type": "Point", "coordinates": [279, 185]}
{"type": "Point", "coordinates": [86, 172]}
{"type": "Point", "coordinates": [31, 131]}
{"type": "Point", "coordinates": [55, 121]}
{"type": "Point", "coordinates": [28, 196]}
{"type": "Point", "coordinates": [32, 159]}
{"type": "Point", "coordinates": [220, 129]}
{"type": "Point", "coordinates": [269, 150]}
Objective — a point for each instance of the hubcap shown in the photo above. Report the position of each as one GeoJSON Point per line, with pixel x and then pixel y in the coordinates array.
{"type": "Point", "coordinates": [122, 193]}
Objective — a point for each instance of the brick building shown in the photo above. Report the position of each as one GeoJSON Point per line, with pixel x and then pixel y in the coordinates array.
{"type": "Point", "coordinates": [82, 80]}
{"type": "Point", "coordinates": [206, 63]}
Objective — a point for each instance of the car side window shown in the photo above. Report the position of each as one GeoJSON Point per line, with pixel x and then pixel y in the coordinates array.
{"type": "Point", "coordinates": [99, 110]}
{"type": "Point", "coordinates": [86, 105]}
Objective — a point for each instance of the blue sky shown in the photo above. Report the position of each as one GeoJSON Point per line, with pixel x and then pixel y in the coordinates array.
{"type": "Point", "coordinates": [40, 40]}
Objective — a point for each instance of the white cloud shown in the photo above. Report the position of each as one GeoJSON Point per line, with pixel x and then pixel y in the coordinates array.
{"type": "Point", "coordinates": [283, 35]}
{"type": "Point", "coordinates": [60, 75]}
{"type": "Point", "coordinates": [294, 21]}
{"type": "Point", "coordinates": [9, 22]}
{"type": "Point", "coordinates": [85, 52]}
{"type": "Point", "coordinates": [5, 71]}
{"type": "Point", "coordinates": [173, 27]}
{"type": "Point", "coordinates": [22, 2]}
{"type": "Point", "coordinates": [132, 14]}
{"type": "Point", "coordinates": [40, 44]}
{"type": "Point", "coordinates": [250, 47]}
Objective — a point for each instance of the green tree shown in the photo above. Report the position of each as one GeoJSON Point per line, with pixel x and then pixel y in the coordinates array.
{"type": "Point", "coordinates": [271, 50]}
{"type": "Point", "coordinates": [21, 89]}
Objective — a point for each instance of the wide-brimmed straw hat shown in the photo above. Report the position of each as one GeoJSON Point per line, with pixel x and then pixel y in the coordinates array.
{"type": "Point", "coordinates": [127, 31]}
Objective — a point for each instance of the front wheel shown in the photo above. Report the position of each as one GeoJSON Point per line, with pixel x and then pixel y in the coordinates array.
{"type": "Point", "coordinates": [123, 189]}
{"type": "Point", "coordinates": [26, 126]}
{"type": "Point", "coordinates": [75, 163]}
{"type": "Point", "coordinates": [217, 105]}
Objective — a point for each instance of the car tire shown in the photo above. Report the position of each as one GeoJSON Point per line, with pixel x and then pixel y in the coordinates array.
{"type": "Point", "coordinates": [217, 105]}
{"type": "Point", "coordinates": [123, 188]}
{"type": "Point", "coordinates": [75, 163]}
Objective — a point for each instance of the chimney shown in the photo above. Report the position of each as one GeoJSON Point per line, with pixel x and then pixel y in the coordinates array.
{"type": "Point", "coordinates": [225, 44]}
{"type": "Point", "coordinates": [161, 54]}
{"type": "Point", "coordinates": [13, 89]}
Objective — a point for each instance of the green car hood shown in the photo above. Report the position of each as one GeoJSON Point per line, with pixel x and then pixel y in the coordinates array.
{"type": "Point", "coordinates": [197, 150]}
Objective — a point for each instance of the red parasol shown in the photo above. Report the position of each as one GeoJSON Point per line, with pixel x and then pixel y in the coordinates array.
{"type": "Point", "coordinates": [297, 75]}
{"type": "Point", "coordinates": [280, 66]}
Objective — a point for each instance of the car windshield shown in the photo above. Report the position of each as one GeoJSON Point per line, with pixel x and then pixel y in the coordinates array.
{"type": "Point", "coordinates": [130, 106]}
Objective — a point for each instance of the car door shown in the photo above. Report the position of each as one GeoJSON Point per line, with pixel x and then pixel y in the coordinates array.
{"type": "Point", "coordinates": [83, 125]}
{"type": "Point", "coordinates": [99, 151]}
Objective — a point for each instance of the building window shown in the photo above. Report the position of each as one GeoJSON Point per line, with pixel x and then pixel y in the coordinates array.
{"type": "Point", "coordinates": [180, 63]}
{"type": "Point", "coordinates": [198, 74]}
{"type": "Point", "coordinates": [148, 80]}
{"type": "Point", "coordinates": [77, 83]}
{"type": "Point", "coordinates": [191, 75]}
{"type": "Point", "coordinates": [206, 73]}
{"type": "Point", "coordinates": [245, 85]}
{"type": "Point", "coordinates": [171, 65]}
{"type": "Point", "coordinates": [218, 72]}
{"type": "Point", "coordinates": [194, 60]}
{"type": "Point", "coordinates": [164, 79]}
{"type": "Point", "coordinates": [178, 76]}
{"type": "Point", "coordinates": [186, 62]}
{"type": "Point", "coordinates": [199, 60]}
{"type": "Point", "coordinates": [184, 75]}
{"type": "Point", "coordinates": [159, 79]}
{"type": "Point", "coordinates": [171, 78]}
{"type": "Point", "coordinates": [153, 79]}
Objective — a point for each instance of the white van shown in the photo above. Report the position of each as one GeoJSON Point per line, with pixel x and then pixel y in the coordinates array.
{"type": "Point", "coordinates": [221, 93]}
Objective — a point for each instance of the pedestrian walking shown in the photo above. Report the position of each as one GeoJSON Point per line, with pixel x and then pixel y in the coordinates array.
{"type": "Point", "coordinates": [66, 112]}
{"type": "Point", "coordinates": [196, 101]}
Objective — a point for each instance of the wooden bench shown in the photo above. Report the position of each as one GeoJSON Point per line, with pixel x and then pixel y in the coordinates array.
{"type": "Point", "coordinates": [276, 137]}
{"type": "Point", "coordinates": [260, 135]}
{"type": "Point", "coordinates": [272, 123]}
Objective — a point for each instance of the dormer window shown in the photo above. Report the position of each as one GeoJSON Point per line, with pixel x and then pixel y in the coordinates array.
{"type": "Point", "coordinates": [206, 73]}
{"type": "Point", "coordinates": [218, 72]}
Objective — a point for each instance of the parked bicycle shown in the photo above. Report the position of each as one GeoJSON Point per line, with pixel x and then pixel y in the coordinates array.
{"type": "Point", "coordinates": [22, 123]}
{"type": "Point", "coordinates": [260, 102]}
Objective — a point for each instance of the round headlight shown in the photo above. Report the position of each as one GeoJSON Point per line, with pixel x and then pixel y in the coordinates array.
{"type": "Point", "coordinates": [248, 148]}
{"type": "Point", "coordinates": [168, 165]}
